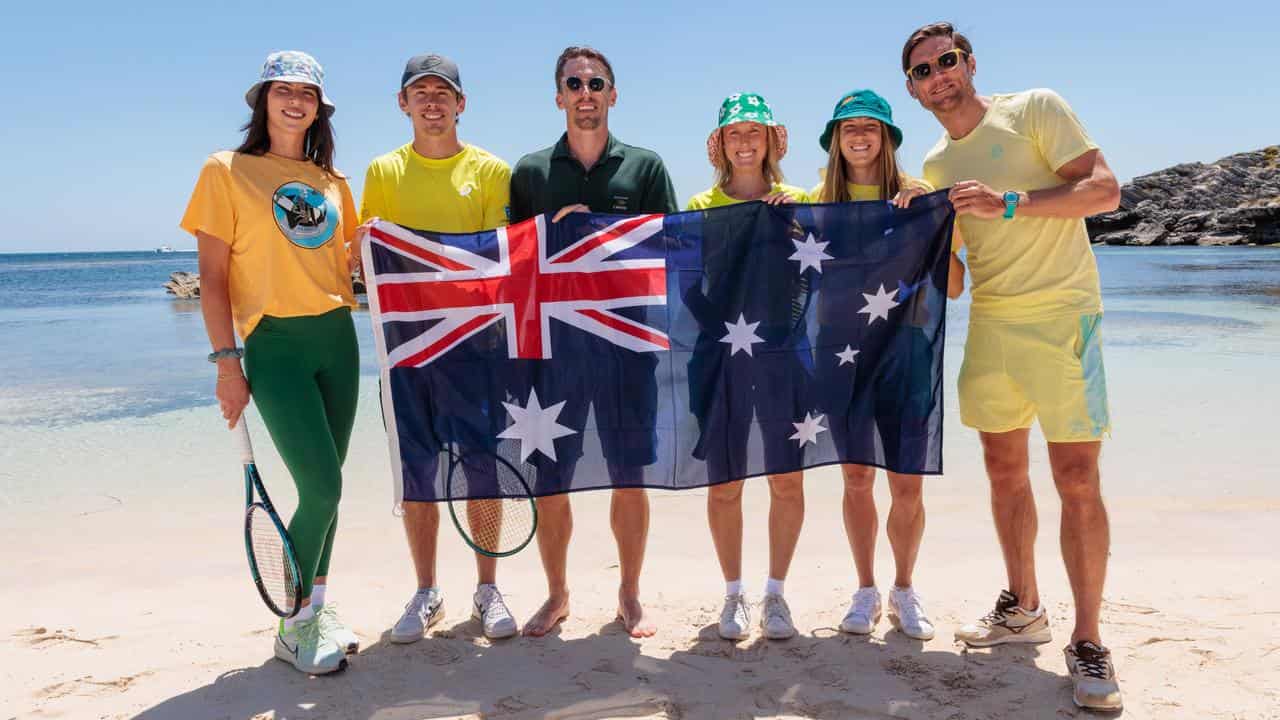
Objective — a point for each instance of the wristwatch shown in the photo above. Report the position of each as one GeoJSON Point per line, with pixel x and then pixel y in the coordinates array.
{"type": "Point", "coordinates": [236, 353]}
{"type": "Point", "coordinates": [1011, 200]}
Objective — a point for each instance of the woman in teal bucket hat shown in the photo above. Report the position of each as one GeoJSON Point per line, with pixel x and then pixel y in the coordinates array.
{"type": "Point", "coordinates": [744, 148]}
{"type": "Point", "coordinates": [861, 141]}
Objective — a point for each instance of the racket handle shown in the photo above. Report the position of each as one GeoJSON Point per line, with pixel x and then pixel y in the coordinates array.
{"type": "Point", "coordinates": [243, 444]}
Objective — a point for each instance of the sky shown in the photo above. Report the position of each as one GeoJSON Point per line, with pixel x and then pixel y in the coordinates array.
{"type": "Point", "coordinates": [109, 109]}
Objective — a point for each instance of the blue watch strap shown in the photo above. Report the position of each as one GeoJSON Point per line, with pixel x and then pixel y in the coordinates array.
{"type": "Point", "coordinates": [217, 355]}
{"type": "Point", "coordinates": [1011, 199]}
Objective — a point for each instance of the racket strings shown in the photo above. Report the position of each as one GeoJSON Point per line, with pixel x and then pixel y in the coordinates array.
{"type": "Point", "coordinates": [499, 525]}
{"type": "Point", "coordinates": [272, 560]}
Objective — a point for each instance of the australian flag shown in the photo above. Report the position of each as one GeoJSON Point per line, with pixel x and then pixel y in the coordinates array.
{"type": "Point", "coordinates": [664, 351]}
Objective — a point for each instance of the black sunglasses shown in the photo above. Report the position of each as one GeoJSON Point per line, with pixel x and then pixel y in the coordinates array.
{"type": "Point", "coordinates": [575, 83]}
{"type": "Point", "coordinates": [945, 62]}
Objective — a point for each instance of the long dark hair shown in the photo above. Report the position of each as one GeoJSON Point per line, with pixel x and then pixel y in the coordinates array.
{"type": "Point", "coordinates": [317, 146]}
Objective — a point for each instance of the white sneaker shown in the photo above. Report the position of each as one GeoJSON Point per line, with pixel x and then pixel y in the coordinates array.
{"type": "Point", "coordinates": [906, 612]}
{"type": "Point", "coordinates": [1009, 622]}
{"type": "Point", "coordinates": [333, 627]}
{"type": "Point", "coordinates": [775, 618]}
{"type": "Point", "coordinates": [307, 649]}
{"type": "Point", "coordinates": [864, 612]}
{"type": "Point", "coordinates": [424, 610]}
{"type": "Point", "coordinates": [1093, 678]}
{"type": "Point", "coordinates": [735, 618]}
{"type": "Point", "coordinates": [491, 610]}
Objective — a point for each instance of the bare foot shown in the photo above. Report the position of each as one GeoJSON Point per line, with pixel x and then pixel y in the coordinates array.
{"type": "Point", "coordinates": [552, 613]}
{"type": "Point", "coordinates": [631, 615]}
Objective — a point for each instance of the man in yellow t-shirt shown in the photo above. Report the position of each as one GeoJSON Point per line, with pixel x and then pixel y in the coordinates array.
{"type": "Point", "coordinates": [438, 183]}
{"type": "Point", "coordinates": [1023, 176]}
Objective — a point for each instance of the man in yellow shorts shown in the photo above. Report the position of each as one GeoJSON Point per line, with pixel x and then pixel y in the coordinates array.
{"type": "Point", "coordinates": [1023, 176]}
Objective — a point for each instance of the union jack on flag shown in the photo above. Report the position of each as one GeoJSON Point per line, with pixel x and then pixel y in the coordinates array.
{"type": "Point", "coordinates": [510, 274]}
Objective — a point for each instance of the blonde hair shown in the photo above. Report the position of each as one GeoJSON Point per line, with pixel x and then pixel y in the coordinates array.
{"type": "Point", "coordinates": [835, 183]}
{"type": "Point", "coordinates": [772, 168]}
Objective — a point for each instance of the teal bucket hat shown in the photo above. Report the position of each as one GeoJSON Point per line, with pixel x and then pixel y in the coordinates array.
{"type": "Point", "coordinates": [746, 107]}
{"type": "Point", "coordinates": [861, 103]}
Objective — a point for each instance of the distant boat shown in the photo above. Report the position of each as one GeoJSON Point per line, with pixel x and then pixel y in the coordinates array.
{"type": "Point", "coordinates": [164, 249]}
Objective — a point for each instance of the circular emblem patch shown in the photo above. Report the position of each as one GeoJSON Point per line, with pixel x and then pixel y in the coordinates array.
{"type": "Point", "coordinates": [304, 214]}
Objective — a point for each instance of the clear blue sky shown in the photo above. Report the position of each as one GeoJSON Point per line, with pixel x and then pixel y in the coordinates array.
{"type": "Point", "coordinates": [110, 108]}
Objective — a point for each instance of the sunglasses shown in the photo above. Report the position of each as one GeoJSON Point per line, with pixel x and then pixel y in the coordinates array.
{"type": "Point", "coordinates": [575, 83]}
{"type": "Point", "coordinates": [945, 62]}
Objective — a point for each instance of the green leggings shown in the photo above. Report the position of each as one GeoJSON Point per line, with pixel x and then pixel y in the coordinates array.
{"type": "Point", "coordinates": [304, 374]}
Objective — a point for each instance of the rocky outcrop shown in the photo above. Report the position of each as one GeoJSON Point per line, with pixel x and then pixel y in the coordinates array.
{"type": "Point", "coordinates": [1234, 201]}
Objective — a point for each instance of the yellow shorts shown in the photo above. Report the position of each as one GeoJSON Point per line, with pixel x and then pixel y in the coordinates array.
{"type": "Point", "coordinates": [1051, 370]}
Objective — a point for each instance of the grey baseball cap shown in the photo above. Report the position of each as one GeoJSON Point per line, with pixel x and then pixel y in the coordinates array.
{"type": "Point", "coordinates": [440, 66]}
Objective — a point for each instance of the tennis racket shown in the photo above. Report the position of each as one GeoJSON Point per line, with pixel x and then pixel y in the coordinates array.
{"type": "Point", "coordinates": [490, 501]}
{"type": "Point", "coordinates": [272, 562]}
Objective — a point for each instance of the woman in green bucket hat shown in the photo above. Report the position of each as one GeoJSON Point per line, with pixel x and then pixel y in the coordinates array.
{"type": "Point", "coordinates": [744, 149]}
{"type": "Point", "coordinates": [861, 141]}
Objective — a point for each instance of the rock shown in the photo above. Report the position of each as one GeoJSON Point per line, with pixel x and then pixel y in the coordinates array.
{"type": "Point", "coordinates": [1234, 201]}
{"type": "Point", "coordinates": [185, 285]}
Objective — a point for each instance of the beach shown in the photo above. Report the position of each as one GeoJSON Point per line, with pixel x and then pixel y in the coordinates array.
{"type": "Point", "coordinates": [123, 578]}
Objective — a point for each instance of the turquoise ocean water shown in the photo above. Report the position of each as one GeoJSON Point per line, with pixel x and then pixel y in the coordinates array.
{"type": "Point", "coordinates": [93, 336]}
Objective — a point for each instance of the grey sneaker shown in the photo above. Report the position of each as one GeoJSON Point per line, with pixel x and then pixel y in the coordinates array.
{"type": "Point", "coordinates": [906, 612]}
{"type": "Point", "coordinates": [333, 627]}
{"type": "Point", "coordinates": [1093, 677]}
{"type": "Point", "coordinates": [491, 610]}
{"type": "Point", "coordinates": [424, 610]}
{"type": "Point", "coordinates": [1007, 623]}
{"type": "Point", "coordinates": [864, 612]}
{"type": "Point", "coordinates": [775, 618]}
{"type": "Point", "coordinates": [735, 618]}
{"type": "Point", "coordinates": [307, 649]}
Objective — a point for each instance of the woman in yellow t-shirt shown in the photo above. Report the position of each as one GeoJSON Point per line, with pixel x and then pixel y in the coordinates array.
{"type": "Point", "coordinates": [273, 220]}
{"type": "Point", "coordinates": [745, 149]}
{"type": "Point", "coordinates": [862, 141]}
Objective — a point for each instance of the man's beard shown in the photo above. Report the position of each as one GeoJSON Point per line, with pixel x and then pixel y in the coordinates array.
{"type": "Point", "coordinates": [589, 122]}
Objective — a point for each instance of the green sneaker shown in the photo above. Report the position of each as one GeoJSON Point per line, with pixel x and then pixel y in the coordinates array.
{"type": "Point", "coordinates": [306, 648]}
{"type": "Point", "coordinates": [332, 627]}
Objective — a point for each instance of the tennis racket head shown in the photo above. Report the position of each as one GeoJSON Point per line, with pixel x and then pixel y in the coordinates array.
{"type": "Point", "coordinates": [272, 561]}
{"type": "Point", "coordinates": [491, 501]}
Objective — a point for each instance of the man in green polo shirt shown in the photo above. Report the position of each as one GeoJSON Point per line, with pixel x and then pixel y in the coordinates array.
{"type": "Point", "coordinates": [589, 170]}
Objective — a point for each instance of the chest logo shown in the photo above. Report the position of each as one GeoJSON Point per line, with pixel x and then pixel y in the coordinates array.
{"type": "Point", "coordinates": [465, 190]}
{"type": "Point", "coordinates": [997, 152]}
{"type": "Point", "coordinates": [621, 202]}
{"type": "Point", "coordinates": [304, 215]}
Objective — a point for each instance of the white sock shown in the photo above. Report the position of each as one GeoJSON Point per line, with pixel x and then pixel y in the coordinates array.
{"type": "Point", "coordinates": [733, 587]}
{"type": "Point", "coordinates": [306, 613]}
{"type": "Point", "coordinates": [1033, 613]}
{"type": "Point", "coordinates": [317, 596]}
{"type": "Point", "coordinates": [772, 587]}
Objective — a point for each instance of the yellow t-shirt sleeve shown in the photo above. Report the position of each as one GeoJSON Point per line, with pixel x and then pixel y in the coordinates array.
{"type": "Point", "coordinates": [1056, 129]}
{"type": "Point", "coordinates": [350, 220]}
{"type": "Point", "coordinates": [371, 202]}
{"type": "Point", "coordinates": [497, 194]}
{"type": "Point", "coordinates": [211, 209]}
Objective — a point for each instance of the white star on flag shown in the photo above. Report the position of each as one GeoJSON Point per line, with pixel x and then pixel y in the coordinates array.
{"type": "Point", "coordinates": [742, 335]}
{"type": "Point", "coordinates": [807, 430]}
{"type": "Point", "coordinates": [810, 253]}
{"type": "Point", "coordinates": [846, 356]}
{"type": "Point", "coordinates": [535, 427]}
{"type": "Point", "coordinates": [879, 305]}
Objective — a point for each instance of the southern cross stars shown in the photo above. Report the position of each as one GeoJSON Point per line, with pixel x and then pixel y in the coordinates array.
{"type": "Point", "coordinates": [810, 253]}
{"type": "Point", "coordinates": [742, 335]}
{"type": "Point", "coordinates": [535, 427]}
{"type": "Point", "coordinates": [808, 429]}
{"type": "Point", "coordinates": [846, 356]}
{"type": "Point", "coordinates": [879, 305]}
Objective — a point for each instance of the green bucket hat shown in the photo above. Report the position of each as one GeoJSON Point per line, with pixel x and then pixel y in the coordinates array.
{"type": "Point", "coordinates": [746, 107]}
{"type": "Point", "coordinates": [861, 103]}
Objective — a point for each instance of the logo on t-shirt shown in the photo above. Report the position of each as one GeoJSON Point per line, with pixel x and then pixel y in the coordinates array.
{"type": "Point", "coordinates": [304, 214]}
{"type": "Point", "coordinates": [997, 151]}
